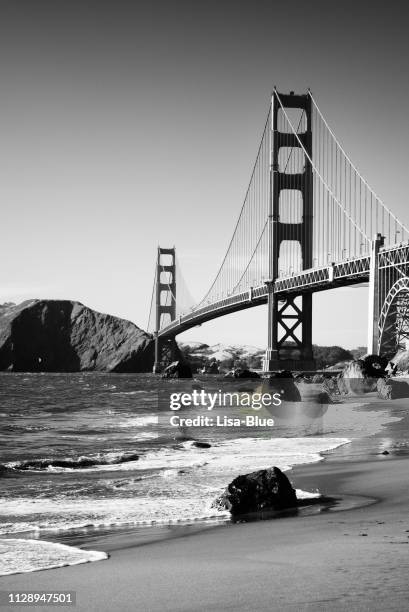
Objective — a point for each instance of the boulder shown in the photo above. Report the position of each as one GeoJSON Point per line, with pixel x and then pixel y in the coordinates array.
{"type": "Point", "coordinates": [66, 336]}
{"type": "Point", "coordinates": [361, 375]}
{"type": "Point", "coordinates": [389, 388]}
{"type": "Point", "coordinates": [283, 383]}
{"type": "Point", "coordinates": [199, 444]}
{"type": "Point", "coordinates": [374, 366]}
{"type": "Point", "coordinates": [177, 369]}
{"type": "Point", "coordinates": [242, 373]}
{"type": "Point", "coordinates": [302, 401]}
{"type": "Point", "coordinates": [263, 490]}
{"type": "Point", "coordinates": [401, 361]}
{"type": "Point", "coordinates": [330, 385]}
{"type": "Point", "coordinates": [318, 378]}
{"type": "Point", "coordinates": [314, 392]}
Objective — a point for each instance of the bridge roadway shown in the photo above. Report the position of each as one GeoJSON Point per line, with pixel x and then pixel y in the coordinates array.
{"type": "Point", "coordinates": [342, 274]}
{"type": "Point", "coordinates": [335, 275]}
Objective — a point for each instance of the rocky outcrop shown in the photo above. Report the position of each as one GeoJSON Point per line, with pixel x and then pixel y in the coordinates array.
{"type": "Point", "coordinates": [177, 369]}
{"type": "Point", "coordinates": [314, 393]}
{"type": "Point", "coordinates": [65, 336]}
{"type": "Point", "coordinates": [389, 388]}
{"type": "Point", "coordinates": [241, 373]}
{"type": "Point", "coordinates": [282, 382]}
{"type": "Point", "coordinates": [199, 444]}
{"type": "Point", "coordinates": [361, 376]}
{"type": "Point", "coordinates": [259, 491]}
{"type": "Point", "coordinates": [401, 361]}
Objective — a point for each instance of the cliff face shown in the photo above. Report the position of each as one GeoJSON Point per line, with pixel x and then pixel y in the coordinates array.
{"type": "Point", "coordinates": [64, 336]}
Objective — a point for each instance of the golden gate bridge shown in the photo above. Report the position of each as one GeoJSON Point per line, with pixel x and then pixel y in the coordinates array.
{"type": "Point", "coordinates": [309, 222]}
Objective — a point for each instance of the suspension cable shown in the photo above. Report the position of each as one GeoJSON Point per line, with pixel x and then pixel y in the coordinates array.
{"type": "Point", "coordinates": [241, 211]}
{"type": "Point", "coordinates": [318, 173]}
{"type": "Point", "coordinates": [354, 167]}
{"type": "Point", "coordinates": [153, 295]}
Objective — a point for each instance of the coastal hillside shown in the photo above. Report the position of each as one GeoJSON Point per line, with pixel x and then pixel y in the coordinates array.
{"type": "Point", "coordinates": [240, 355]}
{"type": "Point", "coordinates": [227, 355]}
{"type": "Point", "coordinates": [66, 336]}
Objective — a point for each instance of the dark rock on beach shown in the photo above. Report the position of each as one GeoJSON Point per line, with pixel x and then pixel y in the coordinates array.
{"type": "Point", "coordinates": [283, 383]}
{"type": "Point", "coordinates": [242, 373]}
{"type": "Point", "coordinates": [392, 389]}
{"type": "Point", "coordinates": [74, 463]}
{"type": "Point", "coordinates": [66, 336]}
{"type": "Point", "coordinates": [199, 444]}
{"type": "Point", "coordinates": [361, 375]}
{"type": "Point", "coordinates": [263, 490]}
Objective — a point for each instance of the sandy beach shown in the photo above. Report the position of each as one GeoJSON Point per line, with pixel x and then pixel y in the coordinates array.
{"type": "Point", "coordinates": [355, 558]}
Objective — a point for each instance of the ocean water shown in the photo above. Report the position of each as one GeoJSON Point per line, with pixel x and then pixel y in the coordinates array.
{"type": "Point", "coordinates": [92, 450]}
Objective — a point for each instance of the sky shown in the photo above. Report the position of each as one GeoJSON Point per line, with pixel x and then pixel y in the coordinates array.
{"type": "Point", "coordinates": [128, 125]}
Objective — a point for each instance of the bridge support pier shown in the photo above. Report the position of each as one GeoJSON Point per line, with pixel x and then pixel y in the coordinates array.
{"type": "Point", "coordinates": [289, 319]}
{"type": "Point", "coordinates": [156, 364]}
{"type": "Point", "coordinates": [165, 349]}
{"type": "Point", "coordinates": [271, 356]}
{"type": "Point", "coordinates": [373, 296]}
{"type": "Point", "coordinates": [290, 334]}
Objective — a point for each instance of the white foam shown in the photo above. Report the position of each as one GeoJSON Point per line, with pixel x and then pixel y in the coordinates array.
{"type": "Point", "coordinates": [140, 421]}
{"type": "Point", "coordinates": [58, 515]}
{"type": "Point", "coordinates": [240, 455]}
{"type": "Point", "coordinates": [17, 556]}
{"type": "Point", "coordinates": [137, 392]}
{"type": "Point", "coordinates": [146, 435]}
{"type": "Point", "coordinates": [306, 494]}
{"type": "Point", "coordinates": [182, 486]}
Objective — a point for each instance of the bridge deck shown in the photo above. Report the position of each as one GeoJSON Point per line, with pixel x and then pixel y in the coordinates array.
{"type": "Point", "coordinates": [349, 272]}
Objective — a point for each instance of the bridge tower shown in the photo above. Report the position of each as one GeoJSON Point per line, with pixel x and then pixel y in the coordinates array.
{"type": "Point", "coordinates": [165, 305]}
{"type": "Point", "coordinates": [373, 295]}
{"type": "Point", "coordinates": [290, 317]}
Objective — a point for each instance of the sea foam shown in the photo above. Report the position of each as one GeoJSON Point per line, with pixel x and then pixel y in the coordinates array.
{"type": "Point", "coordinates": [176, 485]}
{"type": "Point", "coordinates": [18, 555]}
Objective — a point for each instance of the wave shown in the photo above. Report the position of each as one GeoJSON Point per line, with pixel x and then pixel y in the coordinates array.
{"type": "Point", "coordinates": [179, 485]}
{"type": "Point", "coordinates": [70, 463]}
{"type": "Point", "coordinates": [138, 392]}
{"type": "Point", "coordinates": [146, 435]}
{"type": "Point", "coordinates": [45, 516]}
{"type": "Point", "coordinates": [242, 453]}
{"type": "Point", "coordinates": [56, 516]}
{"type": "Point", "coordinates": [140, 421]}
{"type": "Point", "coordinates": [20, 556]}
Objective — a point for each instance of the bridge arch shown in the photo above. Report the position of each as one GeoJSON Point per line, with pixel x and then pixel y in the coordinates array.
{"type": "Point", "coordinates": [393, 323]}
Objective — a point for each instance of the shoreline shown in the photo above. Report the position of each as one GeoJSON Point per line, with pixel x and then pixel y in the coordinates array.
{"type": "Point", "coordinates": [302, 562]}
{"type": "Point", "coordinates": [307, 477]}
{"type": "Point", "coordinates": [105, 537]}
{"type": "Point", "coordinates": [111, 537]}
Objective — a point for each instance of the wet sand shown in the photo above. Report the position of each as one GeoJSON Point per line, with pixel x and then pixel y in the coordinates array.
{"type": "Point", "coordinates": [353, 559]}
